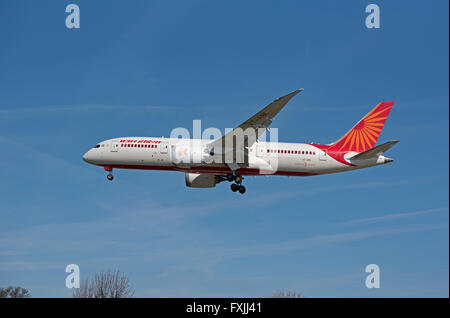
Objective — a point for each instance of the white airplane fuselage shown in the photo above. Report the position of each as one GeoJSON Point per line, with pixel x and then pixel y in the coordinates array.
{"type": "Point", "coordinates": [265, 158]}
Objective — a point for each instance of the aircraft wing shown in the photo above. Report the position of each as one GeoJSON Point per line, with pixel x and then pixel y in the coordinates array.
{"type": "Point", "coordinates": [253, 127]}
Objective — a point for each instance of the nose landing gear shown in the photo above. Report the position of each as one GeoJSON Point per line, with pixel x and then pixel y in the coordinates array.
{"type": "Point", "coordinates": [110, 176]}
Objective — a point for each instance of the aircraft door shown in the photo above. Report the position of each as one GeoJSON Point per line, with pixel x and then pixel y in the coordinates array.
{"type": "Point", "coordinates": [164, 147]}
{"type": "Point", "coordinates": [260, 150]}
{"type": "Point", "coordinates": [114, 146]}
{"type": "Point", "coordinates": [322, 155]}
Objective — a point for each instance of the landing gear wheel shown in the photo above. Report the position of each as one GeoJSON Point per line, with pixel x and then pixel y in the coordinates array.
{"type": "Point", "coordinates": [110, 177]}
{"type": "Point", "coordinates": [238, 179]}
{"type": "Point", "coordinates": [241, 189]}
{"type": "Point", "coordinates": [230, 177]}
{"type": "Point", "coordinates": [234, 187]}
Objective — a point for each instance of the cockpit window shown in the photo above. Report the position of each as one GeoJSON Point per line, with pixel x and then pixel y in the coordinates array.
{"type": "Point", "coordinates": [97, 146]}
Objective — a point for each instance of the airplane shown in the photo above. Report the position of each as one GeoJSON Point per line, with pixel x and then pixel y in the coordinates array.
{"type": "Point", "coordinates": [207, 162]}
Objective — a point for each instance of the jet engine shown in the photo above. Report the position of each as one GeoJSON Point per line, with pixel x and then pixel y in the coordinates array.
{"type": "Point", "coordinates": [201, 180]}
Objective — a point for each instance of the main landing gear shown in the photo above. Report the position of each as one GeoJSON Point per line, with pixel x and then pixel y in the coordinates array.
{"type": "Point", "coordinates": [236, 186]}
{"type": "Point", "coordinates": [110, 176]}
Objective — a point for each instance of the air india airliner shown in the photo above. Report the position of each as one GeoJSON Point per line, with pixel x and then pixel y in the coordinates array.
{"type": "Point", "coordinates": [240, 152]}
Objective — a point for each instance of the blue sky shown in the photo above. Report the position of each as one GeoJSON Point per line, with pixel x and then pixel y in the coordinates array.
{"type": "Point", "coordinates": [142, 68]}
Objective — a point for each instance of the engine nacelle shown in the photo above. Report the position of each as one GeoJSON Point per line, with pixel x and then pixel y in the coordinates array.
{"type": "Point", "coordinates": [200, 180]}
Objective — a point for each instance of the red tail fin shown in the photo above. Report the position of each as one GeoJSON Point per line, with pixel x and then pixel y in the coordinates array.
{"type": "Point", "coordinates": [364, 134]}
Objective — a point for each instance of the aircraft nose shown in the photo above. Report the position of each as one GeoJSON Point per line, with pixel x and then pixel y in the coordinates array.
{"type": "Point", "coordinates": [86, 157]}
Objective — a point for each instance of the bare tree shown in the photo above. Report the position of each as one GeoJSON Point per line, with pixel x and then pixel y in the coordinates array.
{"type": "Point", "coordinates": [14, 292]}
{"type": "Point", "coordinates": [106, 284]}
{"type": "Point", "coordinates": [287, 294]}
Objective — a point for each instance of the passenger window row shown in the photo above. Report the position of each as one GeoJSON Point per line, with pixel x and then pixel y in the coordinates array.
{"type": "Point", "coordinates": [280, 151]}
{"type": "Point", "coordinates": [291, 152]}
{"type": "Point", "coordinates": [139, 145]}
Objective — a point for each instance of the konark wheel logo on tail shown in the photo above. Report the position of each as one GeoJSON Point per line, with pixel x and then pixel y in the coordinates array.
{"type": "Point", "coordinates": [366, 132]}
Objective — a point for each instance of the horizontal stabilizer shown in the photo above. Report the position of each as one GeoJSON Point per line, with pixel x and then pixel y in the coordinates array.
{"type": "Point", "coordinates": [375, 151]}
